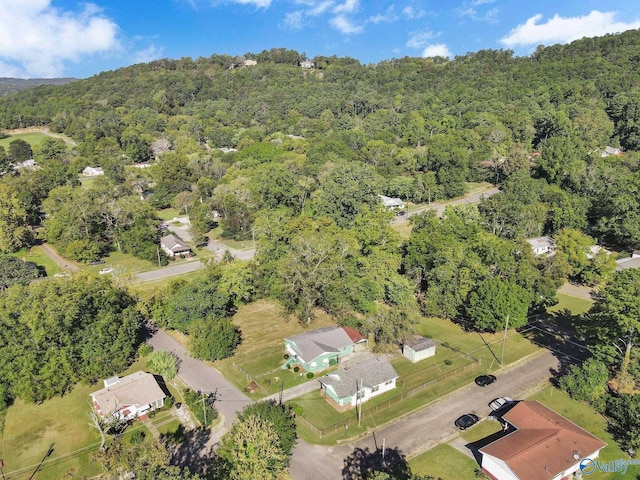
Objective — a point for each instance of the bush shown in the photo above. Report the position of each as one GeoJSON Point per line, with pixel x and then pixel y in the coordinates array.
{"type": "Point", "coordinates": [296, 369]}
{"type": "Point", "coordinates": [194, 401]}
{"type": "Point", "coordinates": [448, 362]}
{"type": "Point", "coordinates": [137, 437]}
{"type": "Point", "coordinates": [145, 350]}
{"type": "Point", "coordinates": [286, 356]}
{"type": "Point", "coordinates": [168, 402]}
{"type": "Point", "coordinates": [309, 374]}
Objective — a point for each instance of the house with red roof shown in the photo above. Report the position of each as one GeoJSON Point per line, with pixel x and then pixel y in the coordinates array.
{"type": "Point", "coordinates": [540, 445]}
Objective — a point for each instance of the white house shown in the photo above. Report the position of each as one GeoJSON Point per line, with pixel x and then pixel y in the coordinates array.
{"type": "Point", "coordinates": [419, 348]}
{"type": "Point", "coordinates": [307, 64]}
{"type": "Point", "coordinates": [174, 246]}
{"type": "Point", "coordinates": [630, 262]}
{"type": "Point", "coordinates": [540, 445]}
{"type": "Point", "coordinates": [356, 383]}
{"type": "Point", "coordinates": [92, 171]}
{"type": "Point", "coordinates": [249, 63]}
{"type": "Point", "coordinates": [128, 397]}
{"type": "Point", "coordinates": [392, 203]}
{"type": "Point", "coordinates": [542, 245]}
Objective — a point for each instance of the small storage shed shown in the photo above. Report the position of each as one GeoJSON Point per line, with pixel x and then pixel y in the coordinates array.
{"type": "Point", "coordinates": [419, 348]}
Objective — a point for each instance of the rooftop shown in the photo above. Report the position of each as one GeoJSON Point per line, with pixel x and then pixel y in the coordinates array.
{"type": "Point", "coordinates": [322, 340]}
{"type": "Point", "coordinates": [368, 373]}
{"type": "Point", "coordinates": [139, 388]}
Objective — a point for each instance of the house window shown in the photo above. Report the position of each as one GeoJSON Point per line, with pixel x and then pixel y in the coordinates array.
{"type": "Point", "coordinates": [375, 389]}
{"type": "Point", "coordinates": [361, 394]}
{"type": "Point", "coordinates": [314, 364]}
{"type": "Point", "coordinates": [388, 382]}
{"type": "Point", "coordinates": [325, 361]}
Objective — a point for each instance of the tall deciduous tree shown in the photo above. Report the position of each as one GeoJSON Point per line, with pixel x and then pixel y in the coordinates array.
{"type": "Point", "coordinates": [497, 301]}
{"type": "Point", "coordinates": [613, 324]}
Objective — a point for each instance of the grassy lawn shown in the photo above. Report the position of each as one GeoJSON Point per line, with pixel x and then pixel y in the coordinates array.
{"type": "Point", "coordinates": [37, 256]}
{"type": "Point", "coordinates": [483, 429]}
{"type": "Point", "coordinates": [486, 347]}
{"type": "Point", "coordinates": [168, 214]}
{"type": "Point", "coordinates": [32, 138]}
{"type": "Point", "coordinates": [403, 229]}
{"type": "Point", "coordinates": [376, 411]}
{"type": "Point", "coordinates": [264, 325]}
{"type": "Point", "coordinates": [444, 462]}
{"type": "Point", "coordinates": [123, 264]}
{"type": "Point", "coordinates": [575, 305]}
{"type": "Point", "coordinates": [63, 422]}
{"type": "Point", "coordinates": [583, 415]}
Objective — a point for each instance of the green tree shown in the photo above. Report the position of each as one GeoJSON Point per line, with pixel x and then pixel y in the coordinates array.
{"type": "Point", "coordinates": [164, 363]}
{"type": "Point", "coordinates": [213, 339]}
{"type": "Point", "coordinates": [623, 412]}
{"type": "Point", "coordinates": [15, 271]}
{"type": "Point", "coordinates": [587, 382]}
{"type": "Point", "coordinates": [389, 326]}
{"type": "Point", "coordinates": [612, 325]}
{"type": "Point", "coordinates": [280, 416]}
{"type": "Point", "coordinates": [14, 229]}
{"type": "Point", "coordinates": [252, 450]}
{"type": "Point", "coordinates": [19, 151]}
{"type": "Point", "coordinates": [497, 301]}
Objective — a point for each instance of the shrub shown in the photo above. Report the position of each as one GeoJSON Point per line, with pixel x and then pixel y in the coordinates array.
{"type": "Point", "coordinates": [296, 369]}
{"type": "Point", "coordinates": [448, 362]}
{"type": "Point", "coordinates": [145, 350]}
{"type": "Point", "coordinates": [137, 437]}
{"type": "Point", "coordinates": [309, 374]}
{"type": "Point", "coordinates": [286, 356]}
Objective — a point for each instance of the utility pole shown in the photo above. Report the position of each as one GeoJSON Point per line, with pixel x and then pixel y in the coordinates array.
{"type": "Point", "coordinates": [504, 340]}
{"type": "Point", "coordinates": [204, 410]}
{"type": "Point", "coordinates": [359, 400]}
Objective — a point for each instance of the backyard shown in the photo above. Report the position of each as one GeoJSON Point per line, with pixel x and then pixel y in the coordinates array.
{"type": "Point", "coordinates": [264, 326]}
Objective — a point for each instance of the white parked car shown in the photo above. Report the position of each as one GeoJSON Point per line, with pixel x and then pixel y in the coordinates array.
{"type": "Point", "coordinates": [498, 403]}
{"type": "Point", "coordinates": [104, 271]}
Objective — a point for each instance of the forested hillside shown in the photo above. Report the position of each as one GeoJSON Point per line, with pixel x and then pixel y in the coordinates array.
{"type": "Point", "coordinates": [297, 158]}
{"type": "Point", "coordinates": [13, 85]}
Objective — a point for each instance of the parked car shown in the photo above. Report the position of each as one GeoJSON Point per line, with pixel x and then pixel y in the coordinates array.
{"type": "Point", "coordinates": [499, 402]}
{"type": "Point", "coordinates": [466, 421]}
{"type": "Point", "coordinates": [104, 271]}
{"type": "Point", "coordinates": [484, 380]}
{"type": "Point", "coordinates": [97, 262]}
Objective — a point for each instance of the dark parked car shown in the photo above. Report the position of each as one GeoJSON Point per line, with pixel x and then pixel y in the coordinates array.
{"type": "Point", "coordinates": [484, 380]}
{"type": "Point", "coordinates": [466, 421]}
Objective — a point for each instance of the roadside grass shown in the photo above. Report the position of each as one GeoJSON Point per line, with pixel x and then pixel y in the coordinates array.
{"type": "Point", "coordinates": [481, 430]}
{"type": "Point", "coordinates": [403, 229]}
{"type": "Point", "coordinates": [486, 347]}
{"type": "Point", "coordinates": [37, 256]}
{"type": "Point", "coordinates": [444, 462]}
{"type": "Point", "coordinates": [264, 325]}
{"type": "Point", "coordinates": [32, 138]}
{"type": "Point", "coordinates": [216, 235]}
{"type": "Point", "coordinates": [123, 264]}
{"type": "Point", "coordinates": [471, 188]}
{"type": "Point", "coordinates": [586, 417]}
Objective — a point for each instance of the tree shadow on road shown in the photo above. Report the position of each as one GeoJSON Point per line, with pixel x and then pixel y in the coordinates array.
{"type": "Point", "coordinates": [189, 449]}
{"type": "Point", "coordinates": [362, 463]}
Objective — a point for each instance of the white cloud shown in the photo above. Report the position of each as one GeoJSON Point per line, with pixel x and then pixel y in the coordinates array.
{"type": "Point", "coordinates": [477, 3]}
{"type": "Point", "coordinates": [388, 17]}
{"type": "Point", "coordinates": [320, 8]}
{"type": "Point", "coordinates": [148, 54]}
{"type": "Point", "coordinates": [436, 50]}
{"type": "Point", "coordinates": [349, 6]}
{"type": "Point", "coordinates": [344, 25]}
{"type": "Point", "coordinates": [37, 39]}
{"type": "Point", "coordinates": [293, 21]}
{"type": "Point", "coordinates": [419, 39]}
{"type": "Point", "coordinates": [257, 3]}
{"type": "Point", "coordinates": [413, 14]}
{"type": "Point", "coordinates": [469, 9]}
{"type": "Point", "coordinates": [565, 29]}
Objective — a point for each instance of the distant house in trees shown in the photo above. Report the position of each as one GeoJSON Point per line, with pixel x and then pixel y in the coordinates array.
{"type": "Point", "coordinates": [419, 348]}
{"type": "Point", "coordinates": [542, 245]}
{"type": "Point", "coordinates": [392, 203]}
{"type": "Point", "coordinates": [249, 63]}
{"type": "Point", "coordinates": [128, 397]}
{"type": "Point", "coordinates": [174, 246]}
{"type": "Point", "coordinates": [29, 164]}
{"type": "Point", "coordinates": [307, 64]}
{"type": "Point", "coordinates": [319, 349]}
{"type": "Point", "coordinates": [358, 382]}
{"type": "Point", "coordinates": [608, 151]}
{"type": "Point", "coordinates": [538, 444]}
{"type": "Point", "coordinates": [630, 262]}
{"type": "Point", "coordinates": [92, 171]}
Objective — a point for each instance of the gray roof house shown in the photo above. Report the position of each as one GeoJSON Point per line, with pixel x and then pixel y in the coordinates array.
{"type": "Point", "coordinates": [391, 203]}
{"type": "Point", "coordinates": [174, 246]}
{"type": "Point", "coordinates": [630, 262]}
{"type": "Point", "coordinates": [419, 348]}
{"type": "Point", "coordinates": [358, 382]}
{"type": "Point", "coordinates": [321, 348]}
{"type": "Point", "coordinates": [128, 397]}
{"type": "Point", "coordinates": [542, 245]}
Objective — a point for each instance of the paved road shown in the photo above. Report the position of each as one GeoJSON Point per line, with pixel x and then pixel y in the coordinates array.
{"type": "Point", "coordinates": [419, 431]}
{"type": "Point", "coordinates": [169, 271]}
{"type": "Point", "coordinates": [440, 207]}
{"type": "Point", "coordinates": [201, 377]}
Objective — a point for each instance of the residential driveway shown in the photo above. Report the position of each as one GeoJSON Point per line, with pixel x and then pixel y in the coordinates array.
{"type": "Point", "coordinates": [201, 377]}
{"type": "Point", "coordinates": [63, 263]}
{"type": "Point", "coordinates": [419, 431]}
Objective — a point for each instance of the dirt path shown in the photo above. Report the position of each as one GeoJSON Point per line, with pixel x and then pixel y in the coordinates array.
{"type": "Point", "coordinates": [63, 263]}
{"type": "Point", "coordinates": [577, 291]}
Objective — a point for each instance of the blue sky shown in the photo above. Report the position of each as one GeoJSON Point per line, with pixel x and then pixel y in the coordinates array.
{"type": "Point", "coordinates": [53, 38]}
